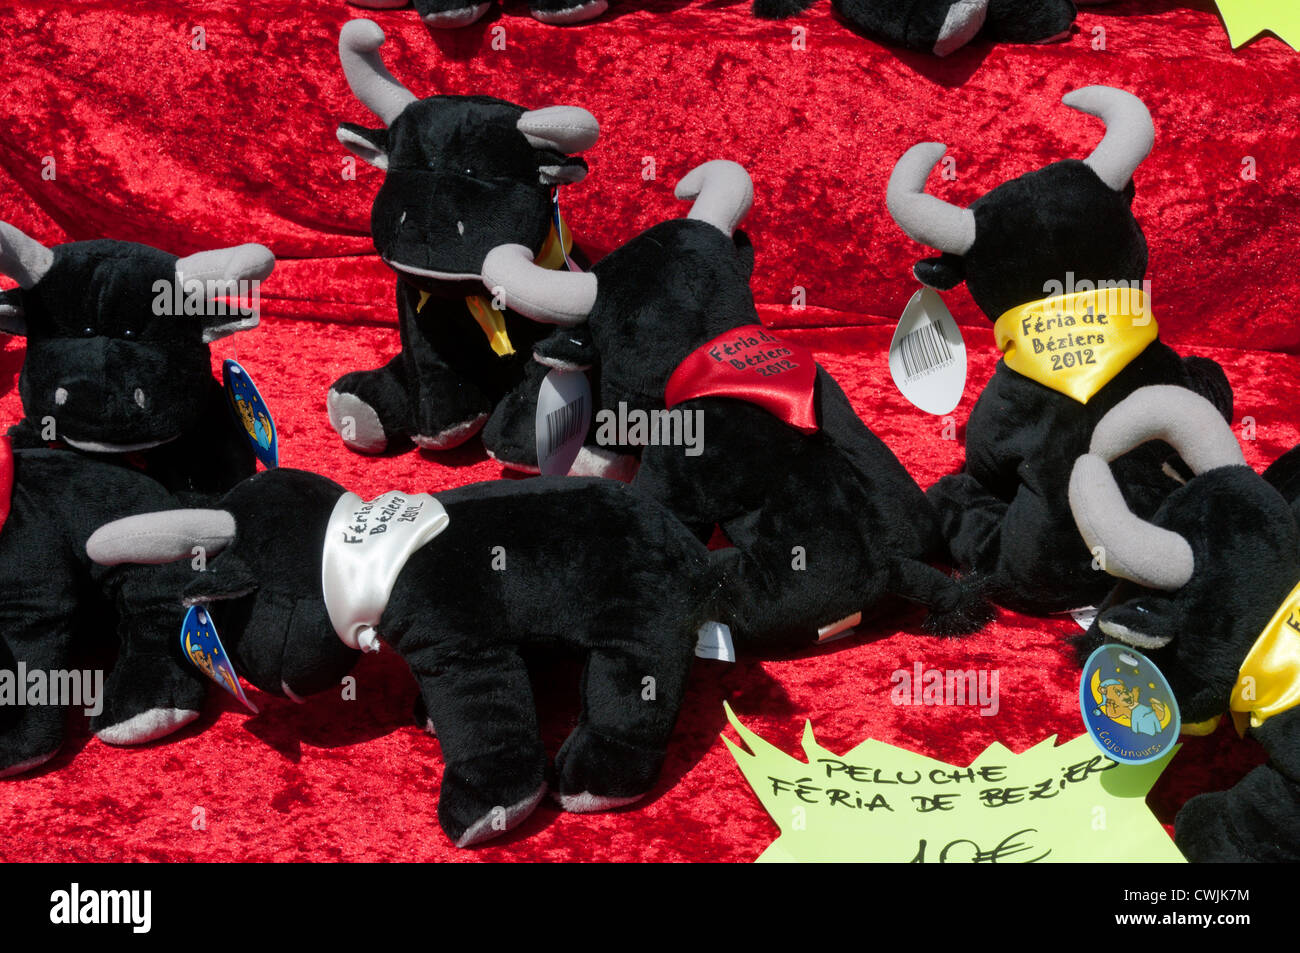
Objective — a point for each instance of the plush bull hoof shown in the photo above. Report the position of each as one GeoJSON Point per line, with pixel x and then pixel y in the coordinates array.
{"type": "Point", "coordinates": [146, 726]}
{"type": "Point", "coordinates": [21, 767]}
{"type": "Point", "coordinates": [357, 423]}
{"type": "Point", "coordinates": [148, 694]}
{"type": "Point", "coordinates": [599, 462]}
{"type": "Point", "coordinates": [588, 803]}
{"type": "Point", "coordinates": [961, 24]}
{"type": "Point", "coordinates": [594, 772]}
{"type": "Point", "coordinates": [1029, 21]}
{"type": "Point", "coordinates": [559, 13]}
{"type": "Point", "coordinates": [516, 465]}
{"type": "Point", "coordinates": [499, 820]}
{"type": "Point", "coordinates": [453, 436]}
{"type": "Point", "coordinates": [444, 16]}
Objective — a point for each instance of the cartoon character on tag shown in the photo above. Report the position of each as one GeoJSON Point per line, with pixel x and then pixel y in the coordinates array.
{"type": "Point", "coordinates": [1128, 707]}
{"type": "Point", "coordinates": [202, 646]}
{"type": "Point", "coordinates": [252, 412]}
{"type": "Point", "coordinates": [1123, 706]}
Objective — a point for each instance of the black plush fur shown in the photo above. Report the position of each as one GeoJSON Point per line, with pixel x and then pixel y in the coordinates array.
{"type": "Point", "coordinates": [917, 24]}
{"type": "Point", "coordinates": [1005, 515]}
{"type": "Point", "coordinates": [109, 365]}
{"type": "Point", "coordinates": [1284, 475]}
{"type": "Point", "coordinates": [92, 330]}
{"type": "Point", "coordinates": [463, 12]}
{"type": "Point", "coordinates": [53, 599]}
{"type": "Point", "coordinates": [1246, 545]}
{"type": "Point", "coordinates": [460, 179]}
{"type": "Point", "coordinates": [589, 567]}
{"type": "Point", "coordinates": [840, 493]}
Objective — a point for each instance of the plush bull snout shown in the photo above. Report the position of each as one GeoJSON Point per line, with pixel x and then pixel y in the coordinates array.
{"type": "Point", "coordinates": [90, 413]}
{"type": "Point", "coordinates": [113, 393]}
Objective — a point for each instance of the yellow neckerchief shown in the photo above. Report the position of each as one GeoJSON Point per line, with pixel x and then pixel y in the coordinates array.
{"type": "Point", "coordinates": [1268, 682]}
{"type": "Point", "coordinates": [553, 255]}
{"type": "Point", "coordinates": [1076, 343]}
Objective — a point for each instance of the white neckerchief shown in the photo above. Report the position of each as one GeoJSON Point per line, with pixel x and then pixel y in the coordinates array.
{"type": "Point", "coordinates": [367, 543]}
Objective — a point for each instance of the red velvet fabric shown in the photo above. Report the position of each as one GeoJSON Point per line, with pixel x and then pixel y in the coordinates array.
{"type": "Point", "coordinates": [154, 141]}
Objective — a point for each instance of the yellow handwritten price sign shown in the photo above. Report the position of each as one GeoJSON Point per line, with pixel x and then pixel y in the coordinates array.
{"type": "Point", "coordinates": [1247, 19]}
{"type": "Point", "coordinates": [881, 803]}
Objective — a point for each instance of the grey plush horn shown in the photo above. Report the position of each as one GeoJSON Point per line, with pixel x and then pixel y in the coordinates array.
{"type": "Point", "coordinates": [723, 193]}
{"type": "Point", "coordinates": [22, 257]}
{"type": "Point", "coordinates": [1181, 418]}
{"type": "Point", "coordinates": [1128, 547]}
{"type": "Point", "coordinates": [250, 262]}
{"type": "Point", "coordinates": [551, 297]}
{"type": "Point", "coordinates": [359, 43]}
{"type": "Point", "coordinates": [923, 217]}
{"type": "Point", "coordinates": [162, 537]}
{"type": "Point", "coordinates": [564, 128]}
{"type": "Point", "coordinates": [1129, 132]}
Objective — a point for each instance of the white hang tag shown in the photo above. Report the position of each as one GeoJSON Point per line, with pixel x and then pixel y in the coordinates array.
{"type": "Point", "coordinates": [563, 416]}
{"type": "Point", "coordinates": [713, 641]}
{"type": "Point", "coordinates": [367, 542]}
{"type": "Point", "coordinates": [927, 356]}
{"type": "Point", "coordinates": [1084, 616]}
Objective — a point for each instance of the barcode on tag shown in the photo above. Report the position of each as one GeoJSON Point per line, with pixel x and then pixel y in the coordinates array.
{"type": "Point", "coordinates": [924, 350]}
{"type": "Point", "coordinates": [563, 424]}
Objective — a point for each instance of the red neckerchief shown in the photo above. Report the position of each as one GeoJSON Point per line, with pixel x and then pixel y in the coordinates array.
{"type": "Point", "coordinates": [751, 364]}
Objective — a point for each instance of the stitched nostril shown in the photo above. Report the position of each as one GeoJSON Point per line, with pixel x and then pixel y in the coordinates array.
{"type": "Point", "coordinates": [60, 396]}
{"type": "Point", "coordinates": [460, 228]}
{"type": "Point", "coordinates": [402, 220]}
{"type": "Point", "coordinates": [139, 398]}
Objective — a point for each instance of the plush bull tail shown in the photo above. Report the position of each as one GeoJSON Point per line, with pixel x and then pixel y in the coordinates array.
{"type": "Point", "coordinates": [780, 9]}
{"type": "Point", "coordinates": [958, 606]}
{"type": "Point", "coordinates": [1208, 380]}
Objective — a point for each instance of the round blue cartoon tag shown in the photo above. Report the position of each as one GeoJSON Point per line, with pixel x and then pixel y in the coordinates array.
{"type": "Point", "coordinates": [1128, 707]}
{"type": "Point", "coordinates": [251, 412]}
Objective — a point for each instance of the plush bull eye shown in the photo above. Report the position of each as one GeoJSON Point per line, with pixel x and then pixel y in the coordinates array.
{"type": "Point", "coordinates": [128, 334]}
{"type": "Point", "coordinates": [88, 332]}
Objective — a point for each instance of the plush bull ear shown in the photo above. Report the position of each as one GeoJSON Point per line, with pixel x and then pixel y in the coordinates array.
{"type": "Point", "coordinates": [1135, 625]}
{"type": "Point", "coordinates": [369, 145]}
{"type": "Point", "coordinates": [12, 320]}
{"type": "Point", "coordinates": [227, 577]}
{"type": "Point", "coordinates": [943, 273]}
{"type": "Point", "coordinates": [222, 272]}
{"type": "Point", "coordinates": [568, 172]}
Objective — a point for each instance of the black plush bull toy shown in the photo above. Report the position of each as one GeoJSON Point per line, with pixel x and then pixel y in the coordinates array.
{"type": "Point", "coordinates": [462, 174]}
{"type": "Point", "coordinates": [943, 26]}
{"type": "Point", "coordinates": [1210, 591]}
{"type": "Point", "coordinates": [117, 358]}
{"type": "Point", "coordinates": [1056, 259]}
{"type": "Point", "coordinates": [461, 585]}
{"type": "Point", "coordinates": [117, 383]}
{"type": "Point", "coordinates": [58, 608]}
{"type": "Point", "coordinates": [449, 14]}
{"type": "Point", "coordinates": [739, 429]}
